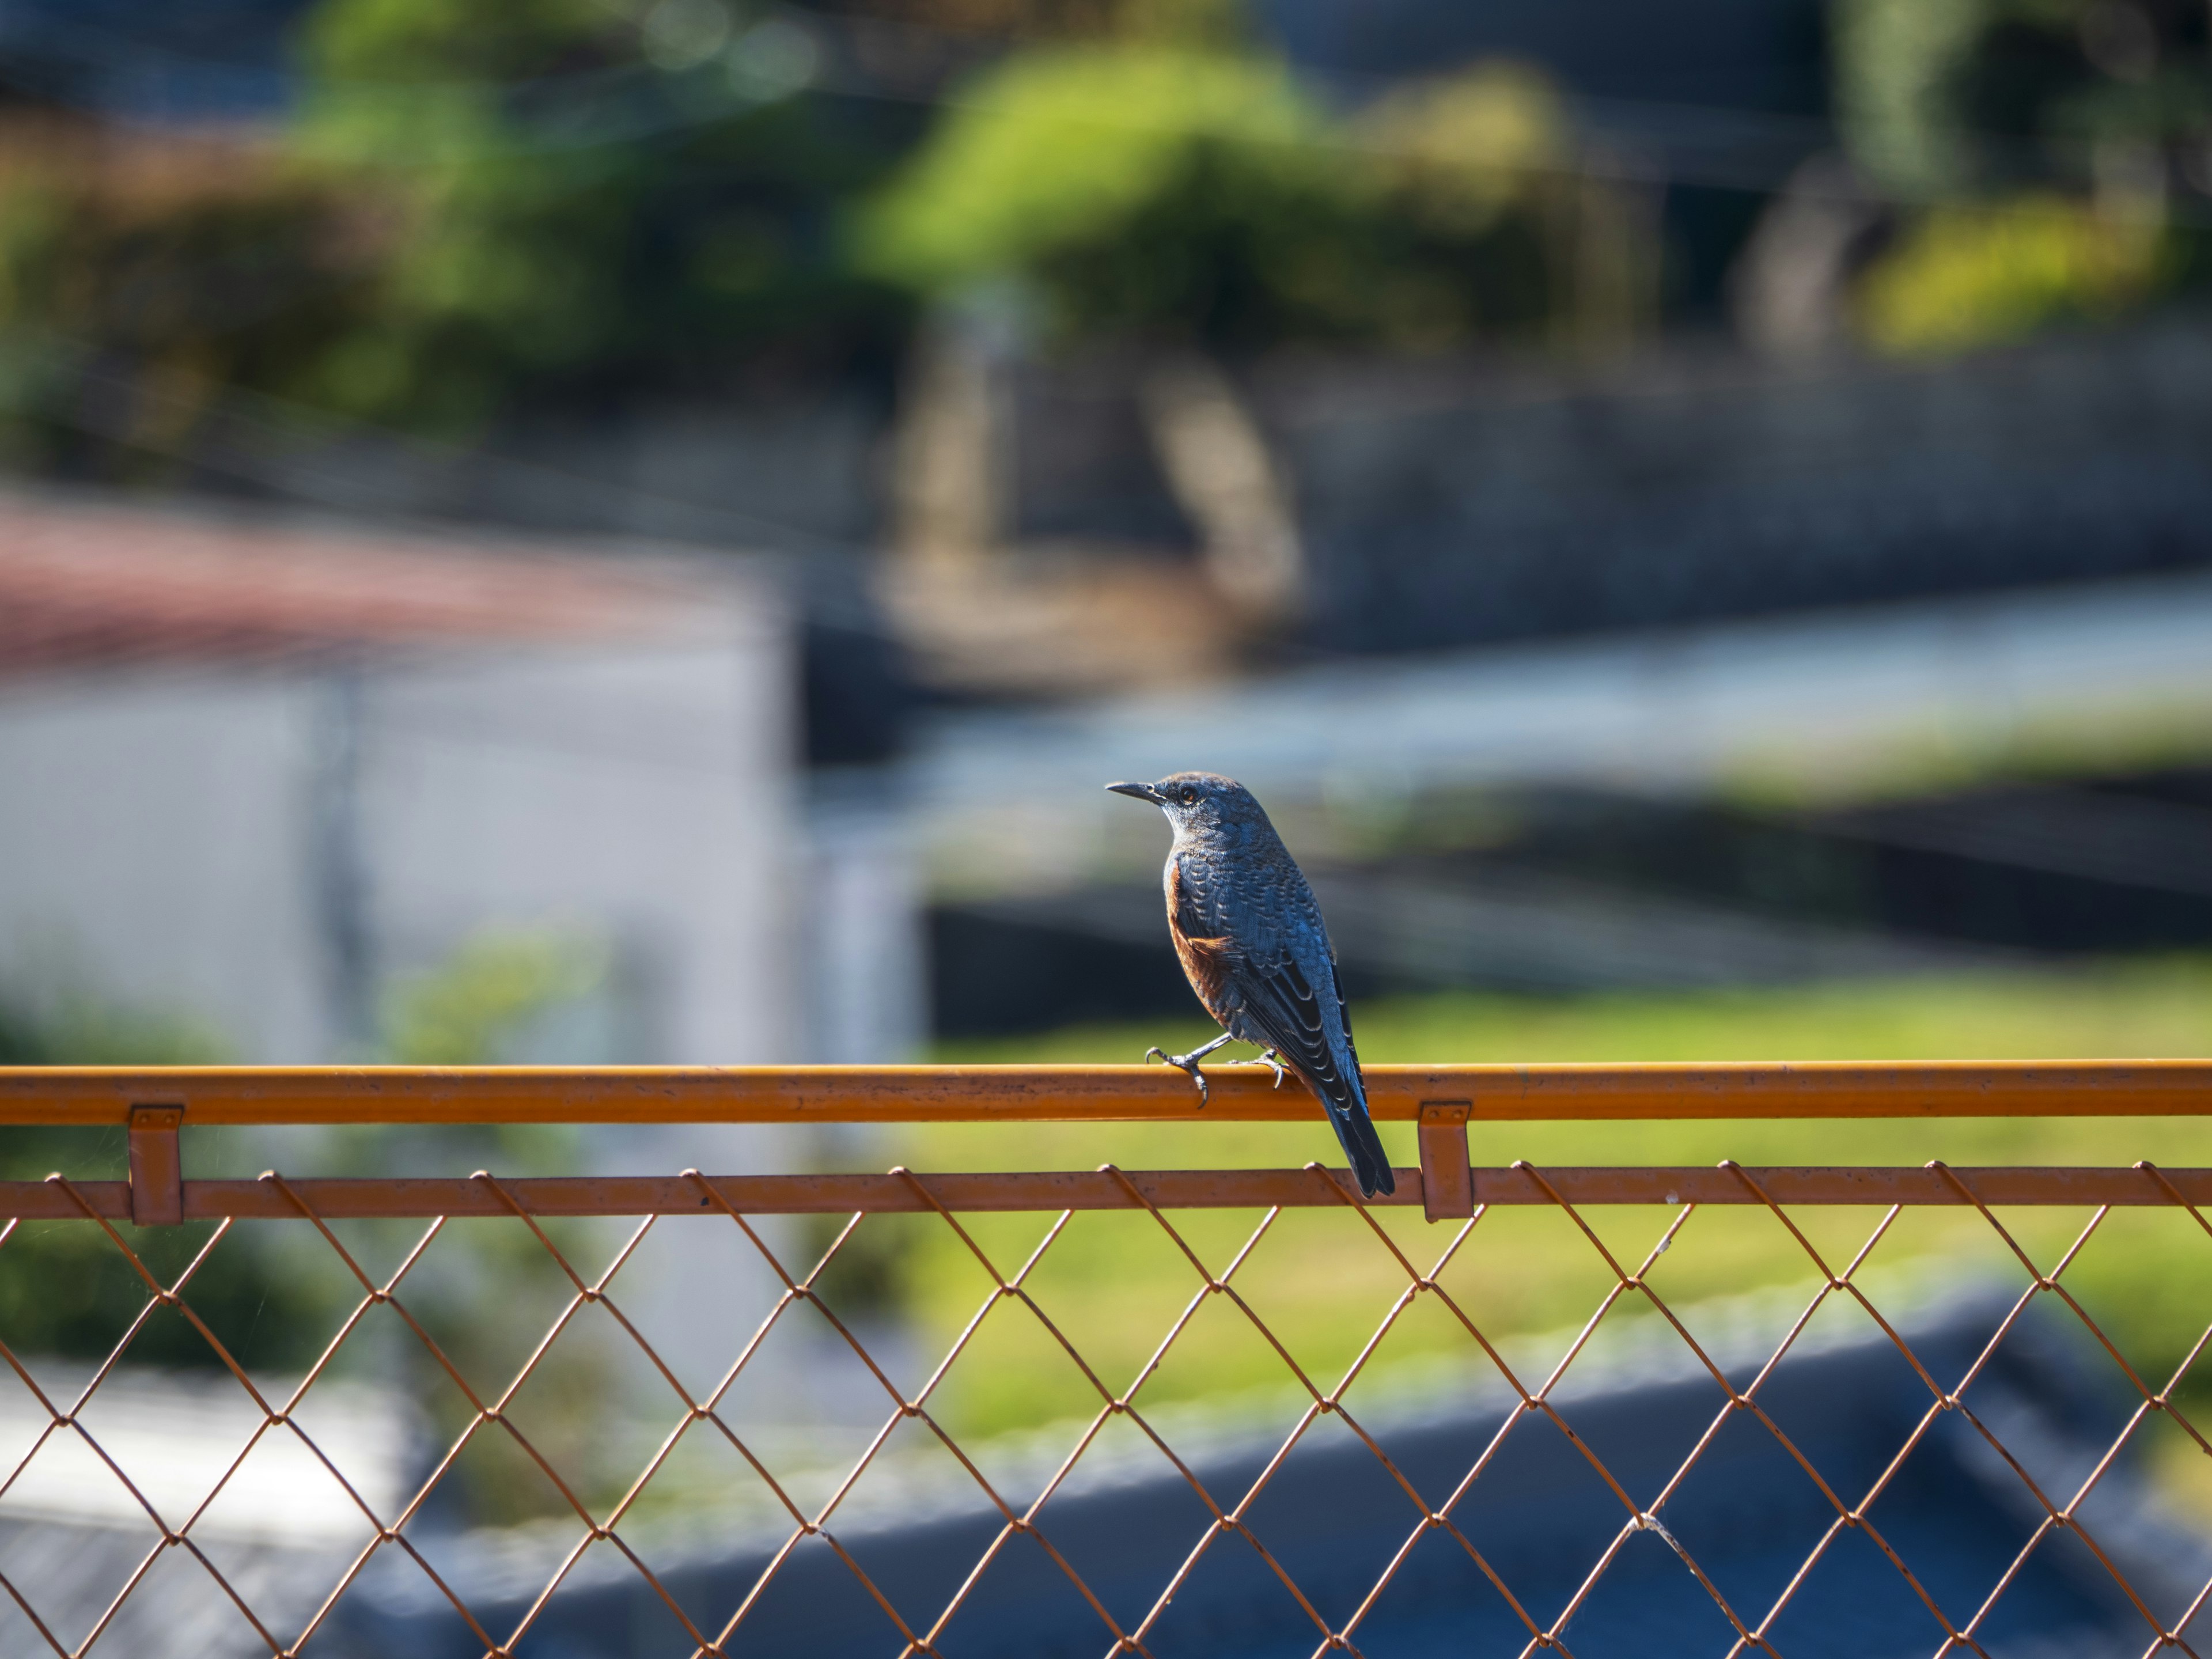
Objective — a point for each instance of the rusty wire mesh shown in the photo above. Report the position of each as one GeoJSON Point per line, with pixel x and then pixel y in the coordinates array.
{"type": "Point", "coordinates": [1434, 1514]}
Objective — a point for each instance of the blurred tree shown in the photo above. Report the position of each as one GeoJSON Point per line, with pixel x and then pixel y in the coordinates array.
{"type": "Point", "coordinates": [587, 203]}
{"type": "Point", "coordinates": [137, 280]}
{"type": "Point", "coordinates": [1186, 22]}
{"type": "Point", "coordinates": [2061, 150]}
{"type": "Point", "coordinates": [590, 203]}
{"type": "Point", "coordinates": [1208, 197]}
{"type": "Point", "coordinates": [1497, 229]}
{"type": "Point", "coordinates": [1944, 96]}
{"type": "Point", "coordinates": [475, 209]}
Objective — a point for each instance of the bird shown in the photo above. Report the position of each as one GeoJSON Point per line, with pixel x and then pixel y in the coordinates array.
{"type": "Point", "coordinates": [1253, 945]}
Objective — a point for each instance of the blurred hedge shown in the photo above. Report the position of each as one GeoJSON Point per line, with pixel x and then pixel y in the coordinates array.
{"type": "Point", "coordinates": [66, 1290]}
{"type": "Point", "coordinates": [2054, 158]}
{"type": "Point", "coordinates": [472, 211]}
{"type": "Point", "coordinates": [1207, 196]}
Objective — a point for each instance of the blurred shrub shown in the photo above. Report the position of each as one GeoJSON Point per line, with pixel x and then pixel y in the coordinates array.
{"type": "Point", "coordinates": [585, 198]}
{"type": "Point", "coordinates": [498, 998]}
{"type": "Point", "coordinates": [488, 1289]}
{"type": "Point", "coordinates": [66, 1290]}
{"type": "Point", "coordinates": [475, 209]}
{"type": "Point", "coordinates": [1964, 276]}
{"type": "Point", "coordinates": [2021, 112]}
{"type": "Point", "coordinates": [1897, 65]}
{"type": "Point", "coordinates": [272, 1293]}
{"type": "Point", "coordinates": [471, 1008]}
{"type": "Point", "coordinates": [137, 281]}
{"type": "Point", "coordinates": [1209, 196]}
{"type": "Point", "coordinates": [1939, 95]}
{"type": "Point", "coordinates": [1479, 223]}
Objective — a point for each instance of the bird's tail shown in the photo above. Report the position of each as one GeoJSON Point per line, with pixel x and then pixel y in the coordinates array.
{"type": "Point", "coordinates": [1355, 1130]}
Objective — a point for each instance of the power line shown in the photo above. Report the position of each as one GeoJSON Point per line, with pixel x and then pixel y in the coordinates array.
{"type": "Point", "coordinates": [1638, 142]}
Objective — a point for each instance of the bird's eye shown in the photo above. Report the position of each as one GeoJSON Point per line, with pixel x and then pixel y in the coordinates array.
{"type": "Point", "coordinates": [1189, 796]}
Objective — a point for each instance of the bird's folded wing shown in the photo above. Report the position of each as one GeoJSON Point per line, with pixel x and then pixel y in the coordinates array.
{"type": "Point", "coordinates": [1282, 1003]}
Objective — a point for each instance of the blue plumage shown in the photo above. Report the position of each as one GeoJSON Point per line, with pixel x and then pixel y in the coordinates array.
{"type": "Point", "coordinates": [1252, 943]}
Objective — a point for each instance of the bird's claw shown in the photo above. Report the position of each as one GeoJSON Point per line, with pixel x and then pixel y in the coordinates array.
{"type": "Point", "coordinates": [1274, 1063]}
{"type": "Point", "coordinates": [1188, 1065]}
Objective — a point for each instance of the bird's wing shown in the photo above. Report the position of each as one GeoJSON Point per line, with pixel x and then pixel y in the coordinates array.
{"type": "Point", "coordinates": [1279, 998]}
{"type": "Point", "coordinates": [1283, 1005]}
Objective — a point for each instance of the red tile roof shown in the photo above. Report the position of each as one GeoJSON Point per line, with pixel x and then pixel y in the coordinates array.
{"type": "Point", "coordinates": [84, 585]}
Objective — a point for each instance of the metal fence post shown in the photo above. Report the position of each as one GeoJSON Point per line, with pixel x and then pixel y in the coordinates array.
{"type": "Point", "coordinates": [1447, 1180]}
{"type": "Point", "coordinates": [157, 1166]}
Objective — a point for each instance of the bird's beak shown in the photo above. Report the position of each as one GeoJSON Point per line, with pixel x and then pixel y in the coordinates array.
{"type": "Point", "coordinates": [1141, 791]}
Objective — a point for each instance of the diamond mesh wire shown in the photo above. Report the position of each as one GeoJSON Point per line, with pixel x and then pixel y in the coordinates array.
{"type": "Point", "coordinates": [1232, 1512]}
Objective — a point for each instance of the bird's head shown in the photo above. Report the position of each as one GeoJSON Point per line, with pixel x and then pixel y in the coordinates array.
{"type": "Point", "coordinates": [1198, 803]}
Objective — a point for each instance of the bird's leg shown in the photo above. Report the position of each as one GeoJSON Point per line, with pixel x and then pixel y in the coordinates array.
{"type": "Point", "coordinates": [1272, 1059]}
{"type": "Point", "coordinates": [1189, 1063]}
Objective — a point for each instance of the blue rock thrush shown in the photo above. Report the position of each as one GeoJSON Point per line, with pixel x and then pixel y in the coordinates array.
{"type": "Point", "coordinates": [1252, 944]}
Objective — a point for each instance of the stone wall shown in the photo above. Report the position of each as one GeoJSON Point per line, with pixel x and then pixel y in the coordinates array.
{"type": "Point", "coordinates": [1442, 507]}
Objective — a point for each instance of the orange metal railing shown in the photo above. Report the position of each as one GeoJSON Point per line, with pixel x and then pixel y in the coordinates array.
{"type": "Point", "coordinates": [158, 1106]}
{"type": "Point", "coordinates": [918, 1094]}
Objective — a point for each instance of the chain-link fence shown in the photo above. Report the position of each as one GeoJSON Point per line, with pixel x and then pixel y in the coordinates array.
{"type": "Point", "coordinates": [1868, 1460]}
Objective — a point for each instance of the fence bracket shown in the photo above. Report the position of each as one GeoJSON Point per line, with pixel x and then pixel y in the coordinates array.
{"type": "Point", "coordinates": [1447, 1179]}
{"type": "Point", "coordinates": [157, 1166]}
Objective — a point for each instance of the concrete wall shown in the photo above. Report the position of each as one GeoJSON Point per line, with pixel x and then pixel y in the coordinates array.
{"type": "Point", "coordinates": [154, 847]}
{"type": "Point", "coordinates": [645, 796]}
{"type": "Point", "coordinates": [234, 846]}
{"type": "Point", "coordinates": [1440, 507]}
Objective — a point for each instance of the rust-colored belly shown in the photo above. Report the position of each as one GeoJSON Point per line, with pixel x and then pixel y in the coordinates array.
{"type": "Point", "coordinates": [1205, 962]}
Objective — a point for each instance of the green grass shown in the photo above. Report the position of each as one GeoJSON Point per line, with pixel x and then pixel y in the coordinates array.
{"type": "Point", "coordinates": [1114, 1282]}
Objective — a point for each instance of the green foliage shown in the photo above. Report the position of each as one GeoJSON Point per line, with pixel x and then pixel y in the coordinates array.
{"type": "Point", "coordinates": [1896, 65]}
{"type": "Point", "coordinates": [470, 1009]}
{"type": "Point", "coordinates": [474, 208]}
{"type": "Point", "coordinates": [65, 1289]}
{"type": "Point", "coordinates": [403, 42]}
{"type": "Point", "coordinates": [1942, 95]}
{"type": "Point", "coordinates": [153, 289]}
{"type": "Point", "coordinates": [582, 199]}
{"type": "Point", "coordinates": [1056, 144]}
{"type": "Point", "coordinates": [486, 1290]}
{"type": "Point", "coordinates": [1140, 189]}
{"type": "Point", "coordinates": [1965, 276]}
{"type": "Point", "coordinates": [2018, 112]}
{"type": "Point", "coordinates": [75, 1028]}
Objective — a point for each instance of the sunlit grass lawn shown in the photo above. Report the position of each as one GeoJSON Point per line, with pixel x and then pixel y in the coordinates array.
{"type": "Point", "coordinates": [1114, 1282]}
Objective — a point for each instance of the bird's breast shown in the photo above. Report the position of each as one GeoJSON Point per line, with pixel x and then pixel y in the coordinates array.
{"type": "Point", "coordinates": [1204, 954]}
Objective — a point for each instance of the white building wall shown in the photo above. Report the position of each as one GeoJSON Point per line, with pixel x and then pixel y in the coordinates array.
{"type": "Point", "coordinates": [648, 796]}
{"type": "Point", "coordinates": [180, 840]}
{"type": "Point", "coordinates": [866, 958]}
{"type": "Point", "coordinates": [153, 840]}
{"type": "Point", "coordinates": [184, 842]}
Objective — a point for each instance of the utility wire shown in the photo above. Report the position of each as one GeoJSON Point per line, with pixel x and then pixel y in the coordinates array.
{"type": "Point", "coordinates": [1639, 143]}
